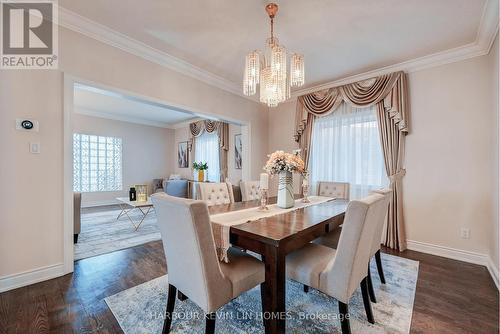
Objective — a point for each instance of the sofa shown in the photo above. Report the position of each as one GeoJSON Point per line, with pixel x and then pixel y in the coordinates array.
{"type": "Point", "coordinates": [177, 188]}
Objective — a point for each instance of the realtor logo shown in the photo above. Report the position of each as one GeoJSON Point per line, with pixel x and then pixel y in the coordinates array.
{"type": "Point", "coordinates": [29, 34]}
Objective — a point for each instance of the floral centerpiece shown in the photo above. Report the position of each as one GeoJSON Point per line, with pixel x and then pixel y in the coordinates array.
{"type": "Point", "coordinates": [284, 164]}
{"type": "Point", "coordinates": [200, 167]}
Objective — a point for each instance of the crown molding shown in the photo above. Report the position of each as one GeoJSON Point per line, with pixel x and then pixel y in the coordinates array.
{"type": "Point", "coordinates": [99, 32]}
{"type": "Point", "coordinates": [486, 33]}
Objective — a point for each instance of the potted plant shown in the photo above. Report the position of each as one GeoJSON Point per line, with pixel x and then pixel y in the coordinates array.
{"type": "Point", "coordinates": [284, 164]}
{"type": "Point", "coordinates": [200, 168]}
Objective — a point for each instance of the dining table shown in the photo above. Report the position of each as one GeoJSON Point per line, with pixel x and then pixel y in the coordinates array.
{"type": "Point", "coordinates": [276, 236]}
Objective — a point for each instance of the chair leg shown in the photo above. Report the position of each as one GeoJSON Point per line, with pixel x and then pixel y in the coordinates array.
{"type": "Point", "coordinates": [366, 301]}
{"type": "Point", "coordinates": [370, 286]}
{"type": "Point", "coordinates": [210, 323]}
{"type": "Point", "coordinates": [344, 318]}
{"type": "Point", "coordinates": [306, 288]}
{"type": "Point", "coordinates": [182, 297]}
{"type": "Point", "coordinates": [379, 267]}
{"type": "Point", "coordinates": [170, 308]}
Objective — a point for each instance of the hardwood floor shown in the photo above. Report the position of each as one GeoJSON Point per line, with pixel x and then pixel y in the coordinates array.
{"type": "Point", "coordinates": [451, 297]}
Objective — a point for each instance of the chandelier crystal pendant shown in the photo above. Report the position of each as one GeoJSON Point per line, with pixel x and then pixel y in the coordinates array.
{"type": "Point", "coordinates": [268, 69]}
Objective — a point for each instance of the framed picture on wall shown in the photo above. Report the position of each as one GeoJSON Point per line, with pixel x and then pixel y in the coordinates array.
{"type": "Point", "coordinates": [238, 146]}
{"type": "Point", "coordinates": [182, 155]}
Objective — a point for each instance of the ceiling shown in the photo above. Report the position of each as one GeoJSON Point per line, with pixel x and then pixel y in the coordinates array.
{"type": "Point", "coordinates": [338, 38]}
{"type": "Point", "coordinates": [107, 104]}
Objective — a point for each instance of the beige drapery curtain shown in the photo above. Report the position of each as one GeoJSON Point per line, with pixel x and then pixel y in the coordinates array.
{"type": "Point", "coordinates": [390, 93]}
{"type": "Point", "coordinates": [209, 126]}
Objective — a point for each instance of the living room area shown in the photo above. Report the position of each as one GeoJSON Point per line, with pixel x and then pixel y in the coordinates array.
{"type": "Point", "coordinates": [126, 148]}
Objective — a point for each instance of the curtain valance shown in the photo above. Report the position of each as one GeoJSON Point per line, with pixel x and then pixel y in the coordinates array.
{"type": "Point", "coordinates": [390, 89]}
{"type": "Point", "coordinates": [197, 128]}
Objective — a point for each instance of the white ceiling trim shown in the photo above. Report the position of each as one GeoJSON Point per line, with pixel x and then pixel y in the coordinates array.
{"type": "Point", "coordinates": [97, 31]}
{"type": "Point", "coordinates": [122, 118]}
{"type": "Point", "coordinates": [481, 46]}
{"type": "Point", "coordinates": [486, 34]}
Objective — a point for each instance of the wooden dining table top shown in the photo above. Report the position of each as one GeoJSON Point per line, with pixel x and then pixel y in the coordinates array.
{"type": "Point", "coordinates": [281, 226]}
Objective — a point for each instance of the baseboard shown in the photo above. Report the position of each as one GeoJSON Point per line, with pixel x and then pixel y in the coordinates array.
{"type": "Point", "coordinates": [493, 271]}
{"type": "Point", "coordinates": [18, 280]}
{"type": "Point", "coordinates": [455, 254]}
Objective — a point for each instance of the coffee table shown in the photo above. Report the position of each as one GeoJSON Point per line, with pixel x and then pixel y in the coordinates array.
{"type": "Point", "coordinates": [127, 206]}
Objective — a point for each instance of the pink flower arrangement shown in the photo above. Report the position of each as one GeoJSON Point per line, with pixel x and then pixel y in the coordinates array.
{"type": "Point", "coordinates": [280, 161]}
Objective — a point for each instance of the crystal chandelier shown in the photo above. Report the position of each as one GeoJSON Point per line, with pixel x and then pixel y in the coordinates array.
{"type": "Point", "coordinates": [268, 69]}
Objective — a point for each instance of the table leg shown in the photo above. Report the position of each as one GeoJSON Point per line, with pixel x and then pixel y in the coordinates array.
{"type": "Point", "coordinates": [273, 291]}
{"type": "Point", "coordinates": [143, 217]}
{"type": "Point", "coordinates": [121, 212]}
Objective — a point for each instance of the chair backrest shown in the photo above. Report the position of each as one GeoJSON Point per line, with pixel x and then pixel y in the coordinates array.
{"type": "Point", "coordinates": [193, 266]}
{"type": "Point", "coordinates": [250, 190]}
{"type": "Point", "coordinates": [334, 189]}
{"type": "Point", "coordinates": [216, 193]}
{"type": "Point", "coordinates": [349, 267]}
{"type": "Point", "coordinates": [377, 236]}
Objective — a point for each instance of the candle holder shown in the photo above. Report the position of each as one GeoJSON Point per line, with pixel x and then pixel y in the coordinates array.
{"type": "Point", "coordinates": [305, 191]}
{"type": "Point", "coordinates": [263, 200]}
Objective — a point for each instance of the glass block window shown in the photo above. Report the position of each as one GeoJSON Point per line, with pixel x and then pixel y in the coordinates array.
{"type": "Point", "coordinates": [97, 163]}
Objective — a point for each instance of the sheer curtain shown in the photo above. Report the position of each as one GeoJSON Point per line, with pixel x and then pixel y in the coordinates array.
{"type": "Point", "coordinates": [207, 150]}
{"type": "Point", "coordinates": [346, 147]}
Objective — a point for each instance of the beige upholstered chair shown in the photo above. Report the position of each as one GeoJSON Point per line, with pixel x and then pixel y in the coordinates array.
{"type": "Point", "coordinates": [377, 237]}
{"type": "Point", "coordinates": [331, 240]}
{"type": "Point", "coordinates": [192, 262]}
{"type": "Point", "coordinates": [337, 273]}
{"type": "Point", "coordinates": [249, 190]}
{"type": "Point", "coordinates": [216, 193]}
{"type": "Point", "coordinates": [334, 189]}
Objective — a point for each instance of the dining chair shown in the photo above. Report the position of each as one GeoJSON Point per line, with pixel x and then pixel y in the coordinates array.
{"type": "Point", "coordinates": [338, 272]}
{"type": "Point", "coordinates": [216, 193]}
{"type": "Point", "coordinates": [377, 238]}
{"type": "Point", "coordinates": [338, 190]}
{"type": "Point", "coordinates": [250, 190]}
{"type": "Point", "coordinates": [193, 266]}
{"type": "Point", "coordinates": [331, 240]}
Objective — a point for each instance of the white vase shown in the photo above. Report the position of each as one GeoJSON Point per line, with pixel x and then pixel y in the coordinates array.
{"type": "Point", "coordinates": [285, 190]}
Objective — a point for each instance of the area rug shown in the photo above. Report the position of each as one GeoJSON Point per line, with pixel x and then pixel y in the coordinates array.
{"type": "Point", "coordinates": [141, 309]}
{"type": "Point", "coordinates": [102, 233]}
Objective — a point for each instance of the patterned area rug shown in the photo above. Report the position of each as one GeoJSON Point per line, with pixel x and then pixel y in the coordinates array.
{"type": "Point", "coordinates": [141, 309]}
{"type": "Point", "coordinates": [101, 233]}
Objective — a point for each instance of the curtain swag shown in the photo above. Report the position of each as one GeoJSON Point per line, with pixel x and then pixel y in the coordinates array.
{"type": "Point", "coordinates": [389, 89]}
{"type": "Point", "coordinates": [222, 130]}
{"type": "Point", "coordinates": [390, 94]}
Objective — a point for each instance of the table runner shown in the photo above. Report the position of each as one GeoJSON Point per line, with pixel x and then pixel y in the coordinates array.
{"type": "Point", "coordinates": [222, 222]}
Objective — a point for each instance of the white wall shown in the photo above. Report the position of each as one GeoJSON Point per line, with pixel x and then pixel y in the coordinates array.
{"type": "Point", "coordinates": [147, 153]}
{"type": "Point", "coordinates": [494, 249]}
{"type": "Point", "coordinates": [452, 173]}
{"type": "Point", "coordinates": [449, 159]}
{"type": "Point", "coordinates": [31, 231]}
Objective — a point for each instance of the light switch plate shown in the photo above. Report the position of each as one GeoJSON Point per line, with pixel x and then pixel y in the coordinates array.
{"type": "Point", "coordinates": [35, 148]}
{"type": "Point", "coordinates": [19, 126]}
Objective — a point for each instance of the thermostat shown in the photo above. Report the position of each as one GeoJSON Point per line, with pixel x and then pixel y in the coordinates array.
{"type": "Point", "coordinates": [25, 124]}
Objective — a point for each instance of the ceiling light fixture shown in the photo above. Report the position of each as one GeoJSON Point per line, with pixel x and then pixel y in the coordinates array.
{"type": "Point", "coordinates": [268, 69]}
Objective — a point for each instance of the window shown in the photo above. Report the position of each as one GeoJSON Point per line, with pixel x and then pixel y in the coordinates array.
{"type": "Point", "coordinates": [207, 150]}
{"type": "Point", "coordinates": [97, 163]}
{"type": "Point", "coordinates": [346, 147]}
